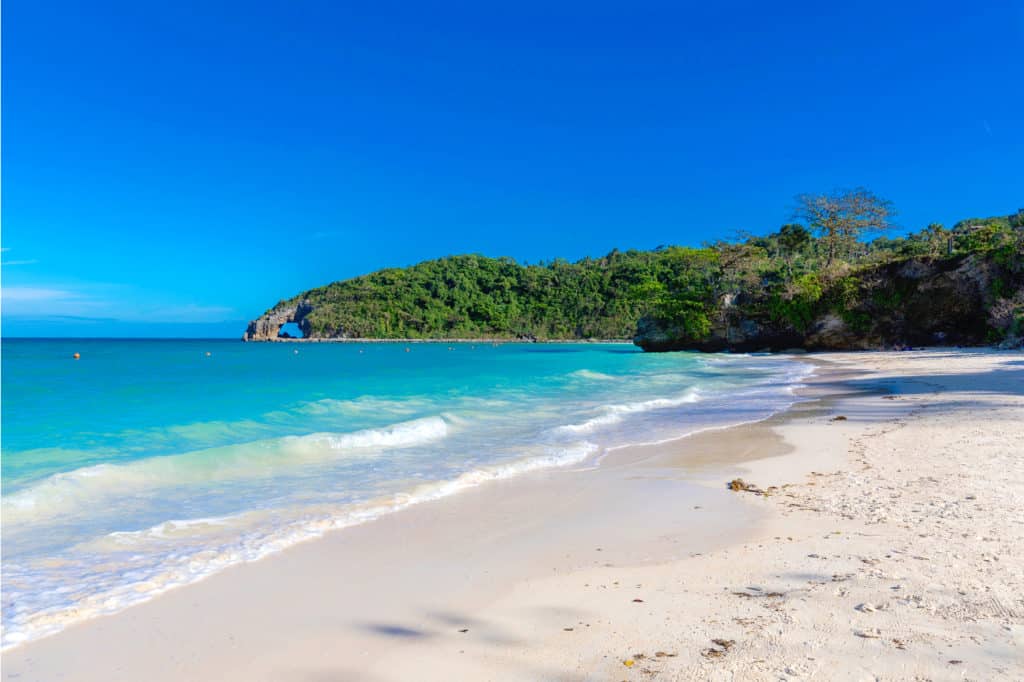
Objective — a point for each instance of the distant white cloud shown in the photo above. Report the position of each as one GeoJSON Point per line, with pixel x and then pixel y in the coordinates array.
{"type": "Point", "coordinates": [108, 302]}
{"type": "Point", "coordinates": [17, 294]}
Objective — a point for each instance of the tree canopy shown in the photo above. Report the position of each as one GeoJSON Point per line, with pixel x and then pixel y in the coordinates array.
{"type": "Point", "coordinates": [842, 217]}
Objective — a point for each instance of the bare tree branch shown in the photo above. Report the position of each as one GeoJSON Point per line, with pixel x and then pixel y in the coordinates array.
{"type": "Point", "coordinates": [840, 218]}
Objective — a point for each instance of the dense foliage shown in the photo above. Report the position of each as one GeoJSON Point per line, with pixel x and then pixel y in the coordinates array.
{"type": "Point", "coordinates": [787, 280]}
{"type": "Point", "coordinates": [475, 296]}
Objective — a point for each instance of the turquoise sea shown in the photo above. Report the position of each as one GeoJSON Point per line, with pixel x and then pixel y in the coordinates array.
{"type": "Point", "coordinates": [149, 464]}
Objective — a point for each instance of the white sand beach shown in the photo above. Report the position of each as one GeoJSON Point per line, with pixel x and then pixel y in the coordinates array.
{"type": "Point", "coordinates": [889, 547]}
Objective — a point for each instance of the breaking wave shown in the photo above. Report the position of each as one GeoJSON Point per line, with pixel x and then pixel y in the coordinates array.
{"type": "Point", "coordinates": [613, 414]}
{"type": "Point", "coordinates": [66, 491]}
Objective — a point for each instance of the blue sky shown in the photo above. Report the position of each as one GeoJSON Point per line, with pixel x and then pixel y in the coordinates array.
{"type": "Point", "coordinates": [174, 169]}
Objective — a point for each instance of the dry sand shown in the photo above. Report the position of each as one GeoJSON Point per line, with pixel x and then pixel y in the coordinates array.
{"type": "Point", "coordinates": [890, 548]}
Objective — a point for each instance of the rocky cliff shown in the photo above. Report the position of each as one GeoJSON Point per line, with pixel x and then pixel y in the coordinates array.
{"type": "Point", "coordinates": [915, 302]}
{"type": "Point", "coordinates": [267, 327]}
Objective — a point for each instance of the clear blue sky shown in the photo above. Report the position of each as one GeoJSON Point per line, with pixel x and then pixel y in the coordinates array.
{"type": "Point", "coordinates": [176, 168]}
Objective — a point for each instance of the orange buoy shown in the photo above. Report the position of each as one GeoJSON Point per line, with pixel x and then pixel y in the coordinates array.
{"type": "Point", "coordinates": [76, 356]}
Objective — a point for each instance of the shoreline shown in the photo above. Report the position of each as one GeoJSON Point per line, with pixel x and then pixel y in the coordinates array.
{"type": "Point", "coordinates": [485, 340]}
{"type": "Point", "coordinates": [540, 543]}
{"type": "Point", "coordinates": [141, 590]}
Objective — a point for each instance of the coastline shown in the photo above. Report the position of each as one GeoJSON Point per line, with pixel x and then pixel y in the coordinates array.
{"type": "Point", "coordinates": [542, 571]}
{"type": "Point", "coordinates": [482, 340]}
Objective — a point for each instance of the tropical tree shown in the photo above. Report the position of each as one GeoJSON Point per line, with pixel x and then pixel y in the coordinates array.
{"type": "Point", "coordinates": [793, 239]}
{"type": "Point", "coordinates": [842, 217]}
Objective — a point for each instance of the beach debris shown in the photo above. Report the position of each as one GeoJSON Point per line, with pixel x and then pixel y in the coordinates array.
{"type": "Point", "coordinates": [865, 608]}
{"type": "Point", "coordinates": [838, 418]}
{"type": "Point", "coordinates": [629, 663]}
{"type": "Point", "coordinates": [567, 629]}
{"type": "Point", "coordinates": [955, 661]}
{"type": "Point", "coordinates": [721, 647]}
{"type": "Point", "coordinates": [664, 654]}
{"type": "Point", "coordinates": [773, 595]}
{"type": "Point", "coordinates": [869, 633]}
{"type": "Point", "coordinates": [464, 630]}
{"type": "Point", "coordinates": [899, 643]}
{"type": "Point", "coordinates": [638, 601]}
{"type": "Point", "coordinates": [739, 485]}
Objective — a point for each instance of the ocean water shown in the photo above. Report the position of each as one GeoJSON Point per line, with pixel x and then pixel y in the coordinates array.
{"type": "Point", "coordinates": [146, 465]}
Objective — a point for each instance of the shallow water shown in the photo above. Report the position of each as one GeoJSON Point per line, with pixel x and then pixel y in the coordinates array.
{"type": "Point", "coordinates": [150, 464]}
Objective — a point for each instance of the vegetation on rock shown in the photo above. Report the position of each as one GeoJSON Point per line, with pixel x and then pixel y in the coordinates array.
{"type": "Point", "coordinates": [817, 284]}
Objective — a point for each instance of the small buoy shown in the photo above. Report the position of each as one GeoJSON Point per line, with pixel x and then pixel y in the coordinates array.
{"type": "Point", "coordinates": [76, 356]}
{"type": "Point", "coordinates": [207, 353]}
{"type": "Point", "coordinates": [406, 349]}
{"type": "Point", "coordinates": [296, 351]}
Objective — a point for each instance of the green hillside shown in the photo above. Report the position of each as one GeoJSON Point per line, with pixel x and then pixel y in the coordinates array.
{"type": "Point", "coordinates": [779, 286]}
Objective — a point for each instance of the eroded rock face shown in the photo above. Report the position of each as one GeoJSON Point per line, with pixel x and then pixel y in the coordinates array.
{"type": "Point", "coordinates": [831, 332]}
{"type": "Point", "coordinates": [917, 302]}
{"type": "Point", "coordinates": [268, 326]}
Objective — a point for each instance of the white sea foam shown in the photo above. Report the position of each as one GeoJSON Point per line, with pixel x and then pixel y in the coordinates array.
{"type": "Point", "coordinates": [240, 544]}
{"type": "Point", "coordinates": [67, 491]}
{"type": "Point", "coordinates": [592, 375]}
{"type": "Point", "coordinates": [172, 528]}
{"type": "Point", "coordinates": [365, 405]}
{"type": "Point", "coordinates": [613, 414]}
{"type": "Point", "coordinates": [406, 434]}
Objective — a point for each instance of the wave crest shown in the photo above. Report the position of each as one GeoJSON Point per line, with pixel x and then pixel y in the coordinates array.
{"type": "Point", "coordinates": [66, 491]}
{"type": "Point", "coordinates": [613, 414]}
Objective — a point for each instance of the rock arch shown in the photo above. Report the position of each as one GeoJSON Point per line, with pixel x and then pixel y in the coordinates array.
{"type": "Point", "coordinates": [267, 327]}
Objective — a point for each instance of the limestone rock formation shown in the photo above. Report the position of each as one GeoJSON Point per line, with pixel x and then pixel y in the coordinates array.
{"type": "Point", "coordinates": [268, 326]}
